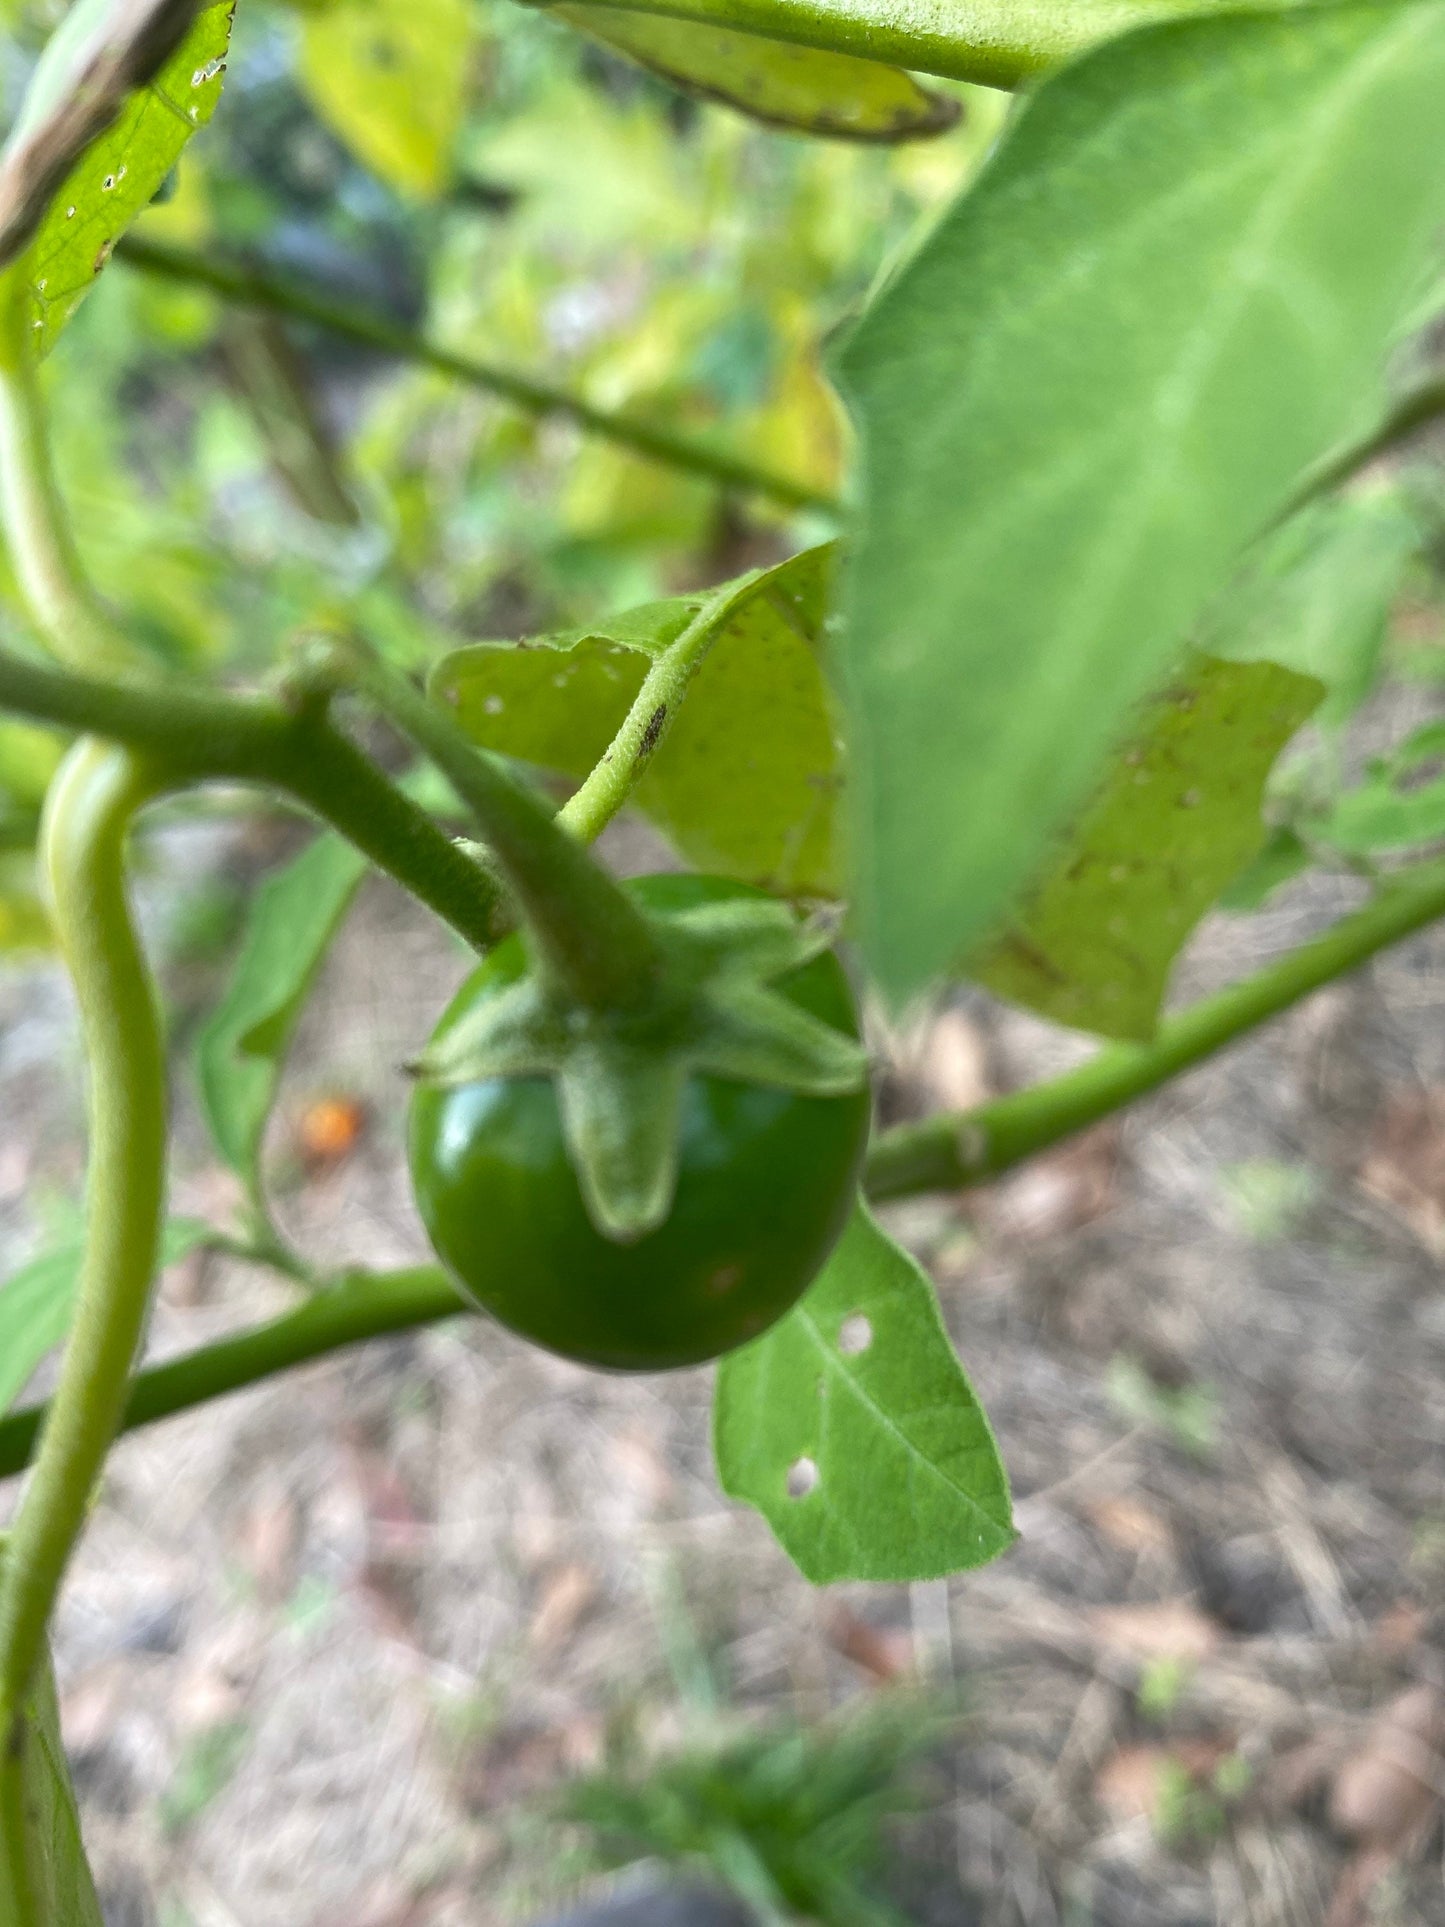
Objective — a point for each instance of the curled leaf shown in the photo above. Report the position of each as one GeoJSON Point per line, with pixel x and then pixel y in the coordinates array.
{"type": "Point", "coordinates": [806, 89]}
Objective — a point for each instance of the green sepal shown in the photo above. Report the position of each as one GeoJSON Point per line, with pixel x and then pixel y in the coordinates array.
{"type": "Point", "coordinates": [754, 937]}
{"type": "Point", "coordinates": [758, 1037]}
{"type": "Point", "coordinates": [518, 1033]}
{"type": "Point", "coordinates": [620, 1074]}
{"type": "Point", "coordinates": [621, 1107]}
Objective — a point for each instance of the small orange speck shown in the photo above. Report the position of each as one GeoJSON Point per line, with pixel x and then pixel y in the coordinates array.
{"type": "Point", "coordinates": [329, 1130]}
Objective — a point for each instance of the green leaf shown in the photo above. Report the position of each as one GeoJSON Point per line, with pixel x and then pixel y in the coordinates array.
{"type": "Point", "coordinates": [24, 923]}
{"type": "Point", "coordinates": [1400, 805]}
{"type": "Point", "coordinates": [1098, 376]}
{"type": "Point", "coordinates": [389, 77]}
{"type": "Point", "coordinates": [1175, 819]}
{"type": "Point", "coordinates": [803, 88]}
{"type": "Point", "coordinates": [745, 783]}
{"type": "Point", "coordinates": [120, 173]}
{"type": "Point", "coordinates": [852, 1427]}
{"type": "Point", "coordinates": [29, 757]}
{"type": "Point", "coordinates": [1282, 858]}
{"type": "Point", "coordinates": [240, 1052]}
{"type": "Point", "coordinates": [36, 1303]}
{"type": "Point", "coordinates": [58, 1875]}
{"type": "Point", "coordinates": [1315, 595]}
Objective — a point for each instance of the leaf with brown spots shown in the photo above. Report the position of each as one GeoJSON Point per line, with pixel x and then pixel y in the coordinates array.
{"type": "Point", "coordinates": [1175, 819]}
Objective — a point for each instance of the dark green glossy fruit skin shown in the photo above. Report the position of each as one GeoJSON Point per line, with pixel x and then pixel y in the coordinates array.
{"type": "Point", "coordinates": [766, 1181]}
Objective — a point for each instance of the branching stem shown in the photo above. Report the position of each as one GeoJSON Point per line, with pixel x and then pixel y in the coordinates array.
{"type": "Point", "coordinates": [943, 1153]}
{"type": "Point", "coordinates": [198, 736]}
{"type": "Point", "coordinates": [588, 935]}
{"type": "Point", "coordinates": [259, 287]}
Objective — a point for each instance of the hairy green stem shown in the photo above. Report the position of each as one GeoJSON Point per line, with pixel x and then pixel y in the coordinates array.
{"type": "Point", "coordinates": [198, 736]}
{"type": "Point", "coordinates": [998, 43]}
{"type": "Point", "coordinates": [592, 807]}
{"type": "Point", "coordinates": [88, 814]}
{"type": "Point", "coordinates": [943, 1153]}
{"type": "Point", "coordinates": [258, 287]}
{"type": "Point", "coordinates": [589, 936]}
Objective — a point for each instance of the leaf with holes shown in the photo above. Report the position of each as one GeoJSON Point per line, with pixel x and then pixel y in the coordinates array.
{"type": "Point", "coordinates": [852, 1427]}
{"type": "Point", "coordinates": [1176, 819]}
{"type": "Point", "coordinates": [806, 89]}
{"type": "Point", "coordinates": [745, 784]}
{"type": "Point", "coordinates": [119, 174]}
{"type": "Point", "coordinates": [239, 1057]}
{"type": "Point", "coordinates": [1065, 446]}
{"type": "Point", "coordinates": [389, 78]}
{"type": "Point", "coordinates": [1315, 594]}
{"type": "Point", "coordinates": [36, 1303]}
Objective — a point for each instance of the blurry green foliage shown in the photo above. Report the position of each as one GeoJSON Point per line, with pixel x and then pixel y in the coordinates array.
{"type": "Point", "coordinates": [791, 1819]}
{"type": "Point", "coordinates": [390, 78]}
{"type": "Point", "coordinates": [550, 205]}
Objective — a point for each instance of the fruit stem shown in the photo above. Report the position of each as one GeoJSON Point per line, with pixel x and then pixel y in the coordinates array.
{"type": "Point", "coordinates": [590, 808]}
{"type": "Point", "coordinates": [587, 935]}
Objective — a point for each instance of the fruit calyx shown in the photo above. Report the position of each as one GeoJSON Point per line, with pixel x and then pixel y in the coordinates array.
{"type": "Point", "coordinates": [621, 1069]}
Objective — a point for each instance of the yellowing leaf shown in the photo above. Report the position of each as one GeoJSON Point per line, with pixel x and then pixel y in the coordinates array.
{"type": "Point", "coordinates": [746, 781]}
{"type": "Point", "coordinates": [389, 77]}
{"type": "Point", "coordinates": [803, 88]}
{"type": "Point", "coordinates": [1176, 818]}
{"type": "Point", "coordinates": [1066, 442]}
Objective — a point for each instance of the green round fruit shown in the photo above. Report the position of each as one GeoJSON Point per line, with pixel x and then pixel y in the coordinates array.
{"type": "Point", "coordinates": [766, 1180]}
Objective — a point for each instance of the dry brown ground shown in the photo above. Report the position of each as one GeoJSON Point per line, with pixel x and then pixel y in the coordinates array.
{"type": "Point", "coordinates": [327, 1638]}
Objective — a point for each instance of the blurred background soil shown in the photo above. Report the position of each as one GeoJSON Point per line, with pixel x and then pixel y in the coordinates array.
{"type": "Point", "coordinates": [333, 1645]}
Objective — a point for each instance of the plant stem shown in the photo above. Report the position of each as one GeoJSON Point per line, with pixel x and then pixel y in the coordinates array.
{"type": "Point", "coordinates": [998, 43]}
{"type": "Point", "coordinates": [364, 1305]}
{"type": "Point", "coordinates": [88, 813]}
{"type": "Point", "coordinates": [258, 287]}
{"type": "Point", "coordinates": [943, 1153]}
{"type": "Point", "coordinates": [198, 736]}
{"type": "Point", "coordinates": [316, 764]}
{"type": "Point", "coordinates": [589, 810]}
{"type": "Point", "coordinates": [589, 936]}
{"type": "Point", "coordinates": [191, 736]}
{"type": "Point", "coordinates": [42, 547]}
